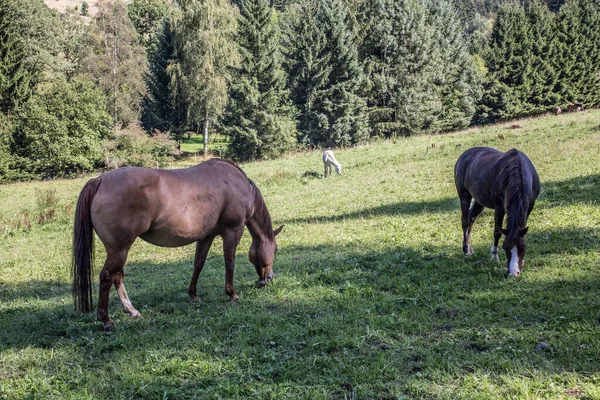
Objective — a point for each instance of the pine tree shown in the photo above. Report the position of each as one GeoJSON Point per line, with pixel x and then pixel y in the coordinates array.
{"type": "Point", "coordinates": [15, 86]}
{"type": "Point", "coordinates": [205, 48]}
{"type": "Point", "coordinates": [259, 118]}
{"type": "Point", "coordinates": [403, 62]}
{"type": "Point", "coordinates": [508, 57]}
{"type": "Point", "coordinates": [544, 54]}
{"type": "Point", "coordinates": [325, 75]}
{"type": "Point", "coordinates": [159, 107]}
{"type": "Point", "coordinates": [308, 68]}
{"type": "Point", "coordinates": [579, 39]}
{"type": "Point", "coordinates": [455, 79]}
{"type": "Point", "coordinates": [341, 102]}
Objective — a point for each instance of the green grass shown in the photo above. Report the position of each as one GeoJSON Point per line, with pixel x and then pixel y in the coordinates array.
{"type": "Point", "coordinates": [195, 145]}
{"type": "Point", "coordinates": [372, 297]}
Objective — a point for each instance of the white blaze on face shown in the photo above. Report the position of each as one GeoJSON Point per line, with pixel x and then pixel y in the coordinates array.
{"type": "Point", "coordinates": [513, 268]}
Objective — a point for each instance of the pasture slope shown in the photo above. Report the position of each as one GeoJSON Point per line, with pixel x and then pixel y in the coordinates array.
{"type": "Point", "coordinates": [372, 298]}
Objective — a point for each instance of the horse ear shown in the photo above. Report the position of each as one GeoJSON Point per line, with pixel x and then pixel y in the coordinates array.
{"type": "Point", "coordinates": [276, 231]}
{"type": "Point", "coordinates": [504, 231]}
{"type": "Point", "coordinates": [523, 231]}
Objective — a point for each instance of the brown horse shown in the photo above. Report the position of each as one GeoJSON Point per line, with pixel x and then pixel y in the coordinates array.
{"type": "Point", "coordinates": [169, 208]}
{"type": "Point", "coordinates": [506, 182]}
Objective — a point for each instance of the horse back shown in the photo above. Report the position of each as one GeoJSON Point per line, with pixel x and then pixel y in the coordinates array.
{"type": "Point", "coordinates": [171, 207]}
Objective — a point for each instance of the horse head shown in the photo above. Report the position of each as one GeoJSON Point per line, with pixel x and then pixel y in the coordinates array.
{"type": "Point", "coordinates": [515, 251]}
{"type": "Point", "coordinates": [261, 255]}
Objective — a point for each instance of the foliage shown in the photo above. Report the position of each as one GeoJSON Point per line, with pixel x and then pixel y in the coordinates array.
{"type": "Point", "coordinates": [205, 50]}
{"type": "Point", "coordinates": [421, 77]}
{"type": "Point", "coordinates": [537, 60]}
{"type": "Point", "coordinates": [160, 108]}
{"type": "Point", "coordinates": [325, 75]}
{"type": "Point", "coordinates": [133, 147]}
{"type": "Point", "coordinates": [59, 131]}
{"type": "Point", "coordinates": [15, 86]}
{"type": "Point", "coordinates": [116, 61]}
{"type": "Point", "coordinates": [259, 119]}
{"type": "Point", "coordinates": [372, 297]}
{"type": "Point", "coordinates": [146, 17]}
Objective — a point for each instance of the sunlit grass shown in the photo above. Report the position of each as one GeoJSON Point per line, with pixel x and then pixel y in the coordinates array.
{"type": "Point", "coordinates": [372, 297]}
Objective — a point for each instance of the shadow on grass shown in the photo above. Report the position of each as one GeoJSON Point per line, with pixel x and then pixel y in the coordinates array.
{"type": "Point", "coordinates": [334, 315]}
{"type": "Point", "coordinates": [406, 208]}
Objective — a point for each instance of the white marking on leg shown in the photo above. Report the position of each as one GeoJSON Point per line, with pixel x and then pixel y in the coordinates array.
{"type": "Point", "coordinates": [513, 267]}
{"type": "Point", "coordinates": [494, 253]}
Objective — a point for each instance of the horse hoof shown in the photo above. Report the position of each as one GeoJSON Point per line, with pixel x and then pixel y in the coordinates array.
{"type": "Point", "coordinates": [135, 314]}
{"type": "Point", "coordinates": [234, 298]}
{"type": "Point", "coordinates": [194, 299]}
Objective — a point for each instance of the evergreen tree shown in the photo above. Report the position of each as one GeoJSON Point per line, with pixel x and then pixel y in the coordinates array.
{"type": "Point", "coordinates": [259, 119]}
{"type": "Point", "coordinates": [345, 109]}
{"type": "Point", "coordinates": [543, 59]}
{"type": "Point", "coordinates": [308, 67]}
{"type": "Point", "coordinates": [205, 48]}
{"type": "Point", "coordinates": [579, 41]}
{"type": "Point", "coordinates": [455, 79]}
{"type": "Point", "coordinates": [420, 76]}
{"type": "Point", "coordinates": [325, 75]}
{"type": "Point", "coordinates": [508, 60]}
{"type": "Point", "coordinates": [160, 110]}
{"type": "Point", "coordinates": [15, 86]}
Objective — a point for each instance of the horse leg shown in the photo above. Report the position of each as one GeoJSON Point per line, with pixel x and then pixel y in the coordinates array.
{"type": "Point", "coordinates": [231, 239]}
{"type": "Point", "coordinates": [113, 266]}
{"type": "Point", "coordinates": [465, 203]}
{"type": "Point", "coordinates": [202, 248]}
{"type": "Point", "coordinates": [127, 306]}
{"type": "Point", "coordinates": [474, 212]}
{"type": "Point", "coordinates": [498, 219]}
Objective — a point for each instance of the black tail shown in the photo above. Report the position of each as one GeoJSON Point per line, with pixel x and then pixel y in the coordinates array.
{"type": "Point", "coordinates": [83, 248]}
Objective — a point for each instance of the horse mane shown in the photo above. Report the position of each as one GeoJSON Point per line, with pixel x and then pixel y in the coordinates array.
{"type": "Point", "coordinates": [511, 175]}
{"type": "Point", "coordinates": [261, 211]}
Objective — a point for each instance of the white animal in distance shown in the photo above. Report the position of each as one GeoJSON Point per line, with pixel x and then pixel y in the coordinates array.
{"type": "Point", "coordinates": [330, 161]}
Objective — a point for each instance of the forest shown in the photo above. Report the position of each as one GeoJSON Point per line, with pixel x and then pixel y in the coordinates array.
{"type": "Point", "coordinates": [276, 76]}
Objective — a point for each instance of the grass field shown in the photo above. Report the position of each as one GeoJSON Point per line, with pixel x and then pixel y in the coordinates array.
{"type": "Point", "coordinates": [372, 297]}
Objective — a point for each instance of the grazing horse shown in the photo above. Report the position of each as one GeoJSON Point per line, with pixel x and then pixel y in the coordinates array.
{"type": "Point", "coordinates": [169, 208]}
{"type": "Point", "coordinates": [329, 161]}
{"type": "Point", "coordinates": [506, 182]}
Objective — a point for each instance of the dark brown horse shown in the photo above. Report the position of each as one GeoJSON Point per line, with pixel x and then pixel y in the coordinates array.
{"type": "Point", "coordinates": [168, 208]}
{"type": "Point", "coordinates": [506, 182]}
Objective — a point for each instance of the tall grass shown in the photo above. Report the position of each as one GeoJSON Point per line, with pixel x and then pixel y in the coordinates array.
{"type": "Point", "coordinates": [372, 296]}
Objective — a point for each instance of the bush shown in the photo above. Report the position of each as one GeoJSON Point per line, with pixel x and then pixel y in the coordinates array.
{"type": "Point", "coordinates": [133, 147]}
{"type": "Point", "coordinates": [59, 130]}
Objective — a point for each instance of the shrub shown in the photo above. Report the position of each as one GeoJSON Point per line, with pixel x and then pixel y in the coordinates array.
{"type": "Point", "coordinates": [60, 130]}
{"type": "Point", "coordinates": [133, 147]}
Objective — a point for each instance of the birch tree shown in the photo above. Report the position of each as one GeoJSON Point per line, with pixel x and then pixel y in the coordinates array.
{"type": "Point", "coordinates": [204, 34]}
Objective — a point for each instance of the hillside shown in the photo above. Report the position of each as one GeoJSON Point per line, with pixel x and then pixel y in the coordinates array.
{"type": "Point", "coordinates": [372, 296]}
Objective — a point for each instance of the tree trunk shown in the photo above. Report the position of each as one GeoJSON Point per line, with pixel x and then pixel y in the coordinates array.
{"type": "Point", "coordinates": [205, 133]}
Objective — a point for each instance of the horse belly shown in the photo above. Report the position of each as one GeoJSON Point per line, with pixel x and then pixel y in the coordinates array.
{"type": "Point", "coordinates": [181, 231]}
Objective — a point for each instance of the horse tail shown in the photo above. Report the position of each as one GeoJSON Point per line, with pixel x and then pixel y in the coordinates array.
{"type": "Point", "coordinates": [83, 248]}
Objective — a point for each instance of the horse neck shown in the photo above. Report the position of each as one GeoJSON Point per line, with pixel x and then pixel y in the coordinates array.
{"type": "Point", "coordinates": [515, 196]}
{"type": "Point", "coordinates": [259, 225]}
